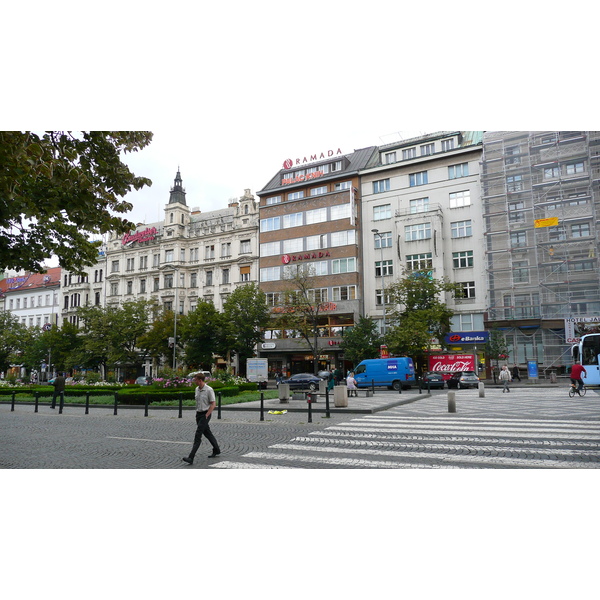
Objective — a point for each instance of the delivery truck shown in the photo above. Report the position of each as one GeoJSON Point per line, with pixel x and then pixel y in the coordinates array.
{"type": "Point", "coordinates": [392, 373]}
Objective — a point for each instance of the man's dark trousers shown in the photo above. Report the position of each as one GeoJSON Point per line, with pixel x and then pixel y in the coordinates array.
{"type": "Point", "coordinates": [203, 430]}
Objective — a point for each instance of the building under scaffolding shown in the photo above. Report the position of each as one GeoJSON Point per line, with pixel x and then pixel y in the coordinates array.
{"type": "Point", "coordinates": [541, 204]}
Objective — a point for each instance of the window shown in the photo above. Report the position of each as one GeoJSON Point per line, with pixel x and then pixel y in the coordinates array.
{"type": "Point", "coordinates": [273, 200]}
{"type": "Point", "coordinates": [209, 252]}
{"type": "Point", "coordinates": [343, 238]}
{"type": "Point", "coordinates": [296, 195]}
{"type": "Point", "coordinates": [315, 242]}
{"type": "Point", "coordinates": [383, 240]}
{"type": "Point", "coordinates": [114, 266]}
{"type": "Point", "coordinates": [245, 246]}
{"type": "Point", "coordinates": [342, 185]}
{"type": "Point", "coordinates": [516, 212]}
{"type": "Point", "coordinates": [575, 168]}
{"type": "Point", "coordinates": [156, 284]}
{"type": "Point", "coordinates": [344, 265]}
{"type": "Point", "coordinates": [114, 289]}
{"type": "Point", "coordinates": [318, 215]}
{"type": "Point", "coordinates": [382, 212]}
{"type": "Point", "coordinates": [557, 234]}
{"type": "Point", "coordinates": [390, 158]}
{"type": "Point", "coordinates": [143, 262]}
{"type": "Point", "coordinates": [422, 231]}
{"type": "Point", "coordinates": [520, 271]}
{"type": "Point", "coordinates": [386, 266]}
{"type": "Point", "coordinates": [379, 298]}
{"type": "Point", "coordinates": [456, 171]}
{"type": "Point", "coordinates": [194, 280]}
{"type": "Point", "coordinates": [419, 205]}
{"type": "Point", "coordinates": [343, 292]}
{"type": "Point", "coordinates": [209, 278]}
{"type": "Point", "coordinates": [518, 239]}
{"type": "Point", "coordinates": [129, 287]}
{"type": "Point", "coordinates": [169, 255]}
{"type": "Point", "coordinates": [340, 211]}
{"type": "Point", "coordinates": [468, 288]}
{"type": "Point", "coordinates": [155, 261]}
{"type": "Point", "coordinates": [142, 286]}
{"type": "Point", "coordinates": [418, 178]}
{"type": "Point", "coordinates": [225, 275]}
{"type": "Point", "coordinates": [270, 248]}
{"type": "Point", "coordinates": [130, 264]}
{"type": "Point", "coordinates": [270, 274]}
{"type": "Point", "coordinates": [419, 262]}
{"type": "Point", "coordinates": [447, 145]}
{"type": "Point", "coordinates": [293, 245]}
{"type": "Point", "coordinates": [318, 191]}
{"type": "Point", "coordinates": [462, 260]}
{"type": "Point", "coordinates": [409, 153]}
{"type": "Point", "coordinates": [245, 273]}
{"type": "Point", "coordinates": [458, 199]}
{"type": "Point", "coordinates": [226, 250]}
{"type": "Point", "coordinates": [550, 172]}
{"type": "Point", "coordinates": [460, 229]}
{"type": "Point", "coordinates": [168, 281]}
{"type": "Point", "coordinates": [514, 183]}
{"type": "Point", "coordinates": [427, 149]}
{"type": "Point", "coordinates": [383, 185]}
{"type": "Point", "coordinates": [182, 255]}
{"type": "Point", "coordinates": [97, 298]}
{"type": "Point", "coordinates": [512, 155]}
{"type": "Point", "coordinates": [270, 224]}
{"type": "Point", "coordinates": [293, 220]}
{"type": "Point", "coordinates": [580, 230]}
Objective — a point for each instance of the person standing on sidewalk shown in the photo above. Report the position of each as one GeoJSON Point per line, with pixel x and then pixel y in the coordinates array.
{"type": "Point", "coordinates": [515, 372]}
{"type": "Point", "coordinates": [351, 384]}
{"type": "Point", "coordinates": [59, 388]}
{"type": "Point", "coordinates": [505, 378]}
{"type": "Point", "coordinates": [205, 404]}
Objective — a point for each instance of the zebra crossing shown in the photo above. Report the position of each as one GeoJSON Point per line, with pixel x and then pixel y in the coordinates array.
{"type": "Point", "coordinates": [393, 440]}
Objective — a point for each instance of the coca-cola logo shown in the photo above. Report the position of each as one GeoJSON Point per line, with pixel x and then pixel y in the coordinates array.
{"type": "Point", "coordinates": [452, 367]}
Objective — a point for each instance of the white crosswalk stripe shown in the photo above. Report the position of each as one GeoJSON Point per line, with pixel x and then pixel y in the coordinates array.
{"type": "Point", "coordinates": [402, 442]}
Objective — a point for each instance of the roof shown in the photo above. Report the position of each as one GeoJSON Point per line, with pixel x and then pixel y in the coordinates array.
{"type": "Point", "coordinates": [30, 281]}
{"type": "Point", "coordinates": [355, 161]}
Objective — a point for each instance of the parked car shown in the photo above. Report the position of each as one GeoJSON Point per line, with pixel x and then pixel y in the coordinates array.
{"type": "Point", "coordinates": [142, 380]}
{"type": "Point", "coordinates": [303, 381]}
{"type": "Point", "coordinates": [433, 380]}
{"type": "Point", "coordinates": [463, 379]}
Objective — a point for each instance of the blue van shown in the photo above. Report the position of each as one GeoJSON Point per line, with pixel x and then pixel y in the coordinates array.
{"type": "Point", "coordinates": [392, 373]}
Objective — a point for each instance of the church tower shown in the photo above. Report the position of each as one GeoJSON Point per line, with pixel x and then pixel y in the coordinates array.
{"type": "Point", "coordinates": [177, 212]}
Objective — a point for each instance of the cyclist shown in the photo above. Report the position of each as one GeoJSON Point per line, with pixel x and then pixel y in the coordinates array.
{"type": "Point", "coordinates": [576, 370]}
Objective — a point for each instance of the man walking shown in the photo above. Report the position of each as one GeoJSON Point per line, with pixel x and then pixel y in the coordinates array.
{"type": "Point", "coordinates": [576, 370]}
{"type": "Point", "coordinates": [205, 404]}
{"type": "Point", "coordinates": [505, 378]}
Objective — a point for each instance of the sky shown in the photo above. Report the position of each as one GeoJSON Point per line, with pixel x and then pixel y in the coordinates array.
{"type": "Point", "coordinates": [230, 91]}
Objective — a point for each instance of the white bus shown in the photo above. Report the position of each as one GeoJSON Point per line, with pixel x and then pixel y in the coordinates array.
{"type": "Point", "coordinates": [588, 352]}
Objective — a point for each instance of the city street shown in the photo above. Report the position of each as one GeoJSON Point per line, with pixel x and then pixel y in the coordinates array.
{"type": "Point", "coordinates": [531, 427]}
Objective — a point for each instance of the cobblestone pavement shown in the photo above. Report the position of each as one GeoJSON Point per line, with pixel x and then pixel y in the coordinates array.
{"type": "Point", "coordinates": [528, 428]}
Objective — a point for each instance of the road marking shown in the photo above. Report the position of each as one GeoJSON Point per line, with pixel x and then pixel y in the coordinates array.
{"type": "Point", "coordinates": [112, 437]}
{"type": "Point", "coordinates": [242, 465]}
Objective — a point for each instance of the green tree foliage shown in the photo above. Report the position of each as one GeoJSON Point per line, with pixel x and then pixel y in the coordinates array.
{"type": "Point", "coordinates": [199, 334]}
{"type": "Point", "coordinates": [13, 340]}
{"type": "Point", "coordinates": [155, 342]}
{"type": "Point", "coordinates": [362, 341]}
{"type": "Point", "coordinates": [59, 345]}
{"type": "Point", "coordinates": [245, 312]}
{"type": "Point", "coordinates": [496, 347]}
{"type": "Point", "coordinates": [58, 189]}
{"type": "Point", "coordinates": [419, 314]}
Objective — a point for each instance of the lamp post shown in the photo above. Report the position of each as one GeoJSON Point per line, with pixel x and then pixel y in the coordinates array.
{"type": "Point", "coordinates": [376, 232]}
{"type": "Point", "coordinates": [176, 308]}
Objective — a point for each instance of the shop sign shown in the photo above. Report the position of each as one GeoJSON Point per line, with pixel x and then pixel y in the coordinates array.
{"type": "Point", "coordinates": [450, 363]}
{"type": "Point", "coordinates": [301, 178]}
{"type": "Point", "coordinates": [286, 259]}
{"type": "Point", "coordinates": [470, 337]}
{"type": "Point", "coordinates": [268, 346]}
{"type": "Point", "coordinates": [140, 236]}
{"type": "Point", "coordinates": [288, 163]}
{"type": "Point", "coordinates": [575, 327]}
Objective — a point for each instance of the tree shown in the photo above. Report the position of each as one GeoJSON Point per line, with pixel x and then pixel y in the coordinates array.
{"type": "Point", "coordinates": [13, 340]}
{"type": "Point", "coordinates": [54, 344]}
{"type": "Point", "coordinates": [199, 334]}
{"type": "Point", "coordinates": [245, 313]}
{"type": "Point", "coordinates": [418, 313]}
{"type": "Point", "coordinates": [362, 341]}
{"type": "Point", "coordinates": [58, 189]}
{"type": "Point", "coordinates": [155, 342]}
{"type": "Point", "coordinates": [496, 348]}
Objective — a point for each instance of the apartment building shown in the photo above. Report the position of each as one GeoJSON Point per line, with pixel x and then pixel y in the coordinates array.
{"type": "Point", "coordinates": [310, 215]}
{"type": "Point", "coordinates": [421, 209]}
{"type": "Point", "coordinates": [541, 203]}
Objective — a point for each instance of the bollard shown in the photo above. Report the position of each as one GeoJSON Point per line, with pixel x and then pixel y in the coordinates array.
{"type": "Point", "coordinates": [327, 414]}
{"type": "Point", "coordinates": [262, 406]}
{"type": "Point", "coordinates": [420, 388]}
{"type": "Point", "coordinates": [36, 394]}
{"type": "Point", "coordinates": [87, 403]}
{"type": "Point", "coordinates": [219, 394]}
{"type": "Point", "coordinates": [481, 388]}
{"type": "Point", "coordinates": [309, 400]}
{"type": "Point", "coordinates": [452, 402]}
{"type": "Point", "coordinates": [146, 405]}
{"type": "Point", "coordinates": [62, 402]}
{"type": "Point", "coordinates": [180, 405]}
{"type": "Point", "coordinates": [400, 388]}
{"type": "Point", "coordinates": [12, 404]}
{"type": "Point", "coordinates": [116, 400]}
{"type": "Point", "coordinates": [373, 387]}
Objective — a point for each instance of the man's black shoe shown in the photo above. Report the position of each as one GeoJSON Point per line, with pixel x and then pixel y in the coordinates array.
{"type": "Point", "coordinates": [215, 453]}
{"type": "Point", "coordinates": [188, 460]}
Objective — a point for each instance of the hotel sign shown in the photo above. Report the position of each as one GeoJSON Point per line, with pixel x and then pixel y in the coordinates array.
{"type": "Point", "coordinates": [289, 163]}
{"type": "Point", "coordinates": [286, 259]}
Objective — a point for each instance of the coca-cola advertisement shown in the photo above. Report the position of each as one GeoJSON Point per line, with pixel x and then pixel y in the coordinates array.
{"type": "Point", "coordinates": [450, 363]}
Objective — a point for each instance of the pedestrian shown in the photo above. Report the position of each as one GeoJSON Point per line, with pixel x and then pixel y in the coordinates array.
{"type": "Point", "coordinates": [330, 382]}
{"type": "Point", "coordinates": [351, 384]}
{"type": "Point", "coordinates": [205, 404]}
{"type": "Point", "coordinates": [505, 378]}
{"type": "Point", "coordinates": [278, 376]}
{"type": "Point", "coordinates": [515, 372]}
{"type": "Point", "coordinates": [59, 388]}
{"type": "Point", "coordinates": [576, 370]}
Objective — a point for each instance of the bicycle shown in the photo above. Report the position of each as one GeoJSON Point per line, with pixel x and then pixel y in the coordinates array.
{"type": "Point", "coordinates": [573, 390]}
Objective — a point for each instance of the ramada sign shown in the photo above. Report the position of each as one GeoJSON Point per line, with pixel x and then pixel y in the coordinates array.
{"type": "Point", "coordinates": [290, 163]}
{"type": "Point", "coordinates": [140, 236]}
{"type": "Point", "coordinates": [286, 259]}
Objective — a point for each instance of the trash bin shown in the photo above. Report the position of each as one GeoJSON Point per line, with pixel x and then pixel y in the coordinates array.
{"type": "Point", "coordinates": [553, 377]}
{"type": "Point", "coordinates": [340, 396]}
{"type": "Point", "coordinates": [284, 392]}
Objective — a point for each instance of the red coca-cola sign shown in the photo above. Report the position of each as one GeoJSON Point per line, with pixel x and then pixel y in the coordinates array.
{"type": "Point", "coordinates": [450, 363]}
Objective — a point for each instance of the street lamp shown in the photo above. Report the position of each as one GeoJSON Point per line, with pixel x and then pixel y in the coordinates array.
{"type": "Point", "coordinates": [376, 232]}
